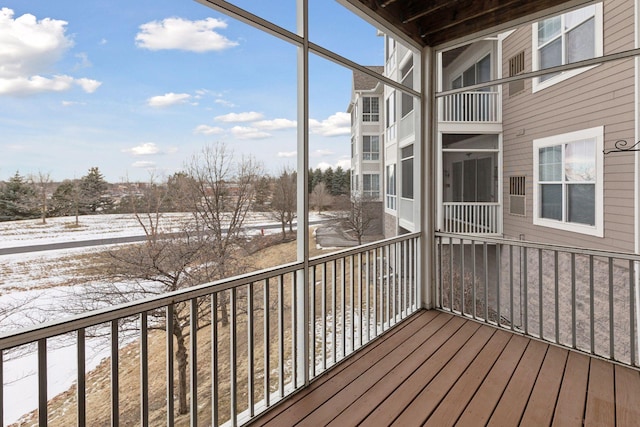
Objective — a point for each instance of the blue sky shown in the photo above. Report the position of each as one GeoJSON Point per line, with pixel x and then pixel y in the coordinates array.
{"type": "Point", "coordinates": [140, 86]}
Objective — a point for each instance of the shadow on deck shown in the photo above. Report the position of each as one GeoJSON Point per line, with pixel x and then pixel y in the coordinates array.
{"type": "Point", "coordinates": [438, 369]}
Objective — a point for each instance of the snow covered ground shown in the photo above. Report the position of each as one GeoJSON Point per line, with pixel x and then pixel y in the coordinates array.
{"type": "Point", "coordinates": [35, 283]}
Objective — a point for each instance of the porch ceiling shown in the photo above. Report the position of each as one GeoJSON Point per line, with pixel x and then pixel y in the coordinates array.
{"type": "Point", "coordinates": [433, 22]}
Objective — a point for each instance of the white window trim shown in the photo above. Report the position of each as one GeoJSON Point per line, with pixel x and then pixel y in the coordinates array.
{"type": "Point", "coordinates": [387, 196]}
{"type": "Point", "coordinates": [593, 230]}
{"type": "Point", "coordinates": [537, 85]}
{"type": "Point", "coordinates": [371, 114]}
{"type": "Point", "coordinates": [371, 152]}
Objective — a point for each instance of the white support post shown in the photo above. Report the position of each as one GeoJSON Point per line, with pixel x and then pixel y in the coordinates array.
{"type": "Point", "coordinates": [302, 283]}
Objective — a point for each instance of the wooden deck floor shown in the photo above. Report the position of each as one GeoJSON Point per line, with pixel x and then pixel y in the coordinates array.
{"type": "Point", "coordinates": [437, 370]}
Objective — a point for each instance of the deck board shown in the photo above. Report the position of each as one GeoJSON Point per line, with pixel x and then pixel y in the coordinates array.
{"type": "Point", "coordinates": [571, 400]}
{"type": "Point", "coordinates": [437, 369]}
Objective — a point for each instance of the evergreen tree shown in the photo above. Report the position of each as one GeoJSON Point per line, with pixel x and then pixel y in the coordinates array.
{"type": "Point", "coordinates": [315, 177]}
{"type": "Point", "coordinates": [263, 189]}
{"type": "Point", "coordinates": [327, 178]}
{"type": "Point", "coordinates": [18, 199]}
{"type": "Point", "coordinates": [92, 193]}
{"type": "Point", "coordinates": [340, 182]}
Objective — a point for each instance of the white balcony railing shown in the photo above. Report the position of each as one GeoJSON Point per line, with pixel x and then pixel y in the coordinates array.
{"type": "Point", "coordinates": [471, 218]}
{"type": "Point", "coordinates": [577, 298]}
{"type": "Point", "coordinates": [262, 352]}
{"type": "Point", "coordinates": [475, 107]}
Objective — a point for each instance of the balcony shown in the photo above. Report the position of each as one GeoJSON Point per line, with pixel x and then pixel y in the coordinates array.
{"type": "Point", "coordinates": [471, 107]}
{"type": "Point", "coordinates": [523, 333]}
{"type": "Point", "coordinates": [472, 218]}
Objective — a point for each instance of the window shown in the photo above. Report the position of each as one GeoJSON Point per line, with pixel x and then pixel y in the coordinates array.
{"type": "Point", "coordinates": [391, 187]}
{"type": "Point", "coordinates": [371, 185]}
{"type": "Point", "coordinates": [370, 147]}
{"type": "Point", "coordinates": [353, 147]}
{"type": "Point", "coordinates": [406, 73]}
{"type": "Point", "coordinates": [568, 181]}
{"type": "Point", "coordinates": [567, 38]}
{"type": "Point", "coordinates": [370, 109]}
{"type": "Point", "coordinates": [390, 46]}
{"type": "Point", "coordinates": [480, 72]}
{"type": "Point", "coordinates": [407, 172]}
{"type": "Point", "coordinates": [391, 110]}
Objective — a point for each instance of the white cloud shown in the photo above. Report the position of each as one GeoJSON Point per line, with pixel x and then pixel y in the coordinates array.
{"type": "Point", "coordinates": [225, 102]}
{"type": "Point", "coordinates": [208, 130]}
{"type": "Point", "coordinates": [335, 125]}
{"type": "Point", "coordinates": [83, 61]}
{"type": "Point", "coordinates": [71, 103]}
{"type": "Point", "coordinates": [275, 124]}
{"type": "Point", "coordinates": [323, 166]}
{"type": "Point", "coordinates": [242, 132]}
{"type": "Point", "coordinates": [344, 164]}
{"type": "Point", "coordinates": [168, 99]}
{"type": "Point", "coordinates": [145, 149]}
{"type": "Point", "coordinates": [29, 50]}
{"type": "Point", "coordinates": [287, 154]}
{"type": "Point", "coordinates": [250, 116]}
{"type": "Point", "coordinates": [183, 34]}
{"type": "Point", "coordinates": [322, 153]}
{"type": "Point", "coordinates": [144, 164]}
{"type": "Point", "coordinates": [88, 85]}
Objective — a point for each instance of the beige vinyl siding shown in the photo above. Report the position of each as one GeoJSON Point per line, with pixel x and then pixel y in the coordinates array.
{"type": "Point", "coordinates": [601, 96]}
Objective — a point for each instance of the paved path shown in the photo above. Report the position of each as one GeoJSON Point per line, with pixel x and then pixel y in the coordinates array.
{"type": "Point", "coordinates": [111, 241]}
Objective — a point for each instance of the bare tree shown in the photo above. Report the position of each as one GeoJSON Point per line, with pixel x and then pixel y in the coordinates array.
{"type": "Point", "coordinates": [168, 260]}
{"type": "Point", "coordinates": [320, 196]}
{"type": "Point", "coordinates": [225, 189]}
{"type": "Point", "coordinates": [360, 215]}
{"type": "Point", "coordinates": [283, 200]}
{"type": "Point", "coordinates": [41, 182]}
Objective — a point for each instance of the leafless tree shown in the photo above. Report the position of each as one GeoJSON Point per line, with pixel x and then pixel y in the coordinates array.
{"type": "Point", "coordinates": [225, 188]}
{"type": "Point", "coordinates": [168, 260]}
{"type": "Point", "coordinates": [41, 182]}
{"type": "Point", "coordinates": [283, 200]}
{"type": "Point", "coordinates": [320, 196]}
{"type": "Point", "coordinates": [359, 216]}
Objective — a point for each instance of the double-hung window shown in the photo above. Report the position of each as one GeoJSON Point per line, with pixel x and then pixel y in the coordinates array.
{"type": "Point", "coordinates": [371, 185]}
{"type": "Point", "coordinates": [406, 166]}
{"type": "Point", "coordinates": [568, 174]}
{"type": "Point", "coordinates": [370, 147]}
{"type": "Point", "coordinates": [391, 187]}
{"type": "Point", "coordinates": [370, 109]}
{"type": "Point", "coordinates": [564, 39]}
{"type": "Point", "coordinates": [406, 72]}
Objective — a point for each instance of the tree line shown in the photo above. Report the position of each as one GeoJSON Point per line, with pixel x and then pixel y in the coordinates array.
{"type": "Point", "coordinates": [37, 196]}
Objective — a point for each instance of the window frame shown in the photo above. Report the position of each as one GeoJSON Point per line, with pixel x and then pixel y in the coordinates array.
{"type": "Point", "coordinates": [562, 140]}
{"type": "Point", "coordinates": [368, 113]}
{"type": "Point", "coordinates": [407, 160]}
{"type": "Point", "coordinates": [536, 83]}
{"type": "Point", "coordinates": [407, 79]}
{"type": "Point", "coordinates": [370, 155]}
{"type": "Point", "coordinates": [391, 191]}
{"type": "Point", "coordinates": [371, 192]}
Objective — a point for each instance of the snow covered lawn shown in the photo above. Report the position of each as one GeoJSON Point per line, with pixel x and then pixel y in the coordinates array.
{"type": "Point", "coordinates": [33, 284]}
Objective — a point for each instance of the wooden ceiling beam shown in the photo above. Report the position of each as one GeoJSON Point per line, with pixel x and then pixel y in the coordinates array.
{"type": "Point", "coordinates": [468, 16]}
{"type": "Point", "coordinates": [429, 11]}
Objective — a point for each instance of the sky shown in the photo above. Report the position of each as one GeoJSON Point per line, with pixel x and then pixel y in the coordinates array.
{"type": "Point", "coordinates": [137, 88]}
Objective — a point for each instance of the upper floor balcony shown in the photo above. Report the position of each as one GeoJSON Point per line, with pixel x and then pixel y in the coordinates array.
{"type": "Point", "coordinates": [471, 107]}
{"type": "Point", "coordinates": [521, 334]}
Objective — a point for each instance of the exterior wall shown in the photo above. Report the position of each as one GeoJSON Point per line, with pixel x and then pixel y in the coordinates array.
{"type": "Point", "coordinates": [389, 225]}
{"type": "Point", "coordinates": [601, 96]}
{"type": "Point", "coordinates": [358, 130]}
